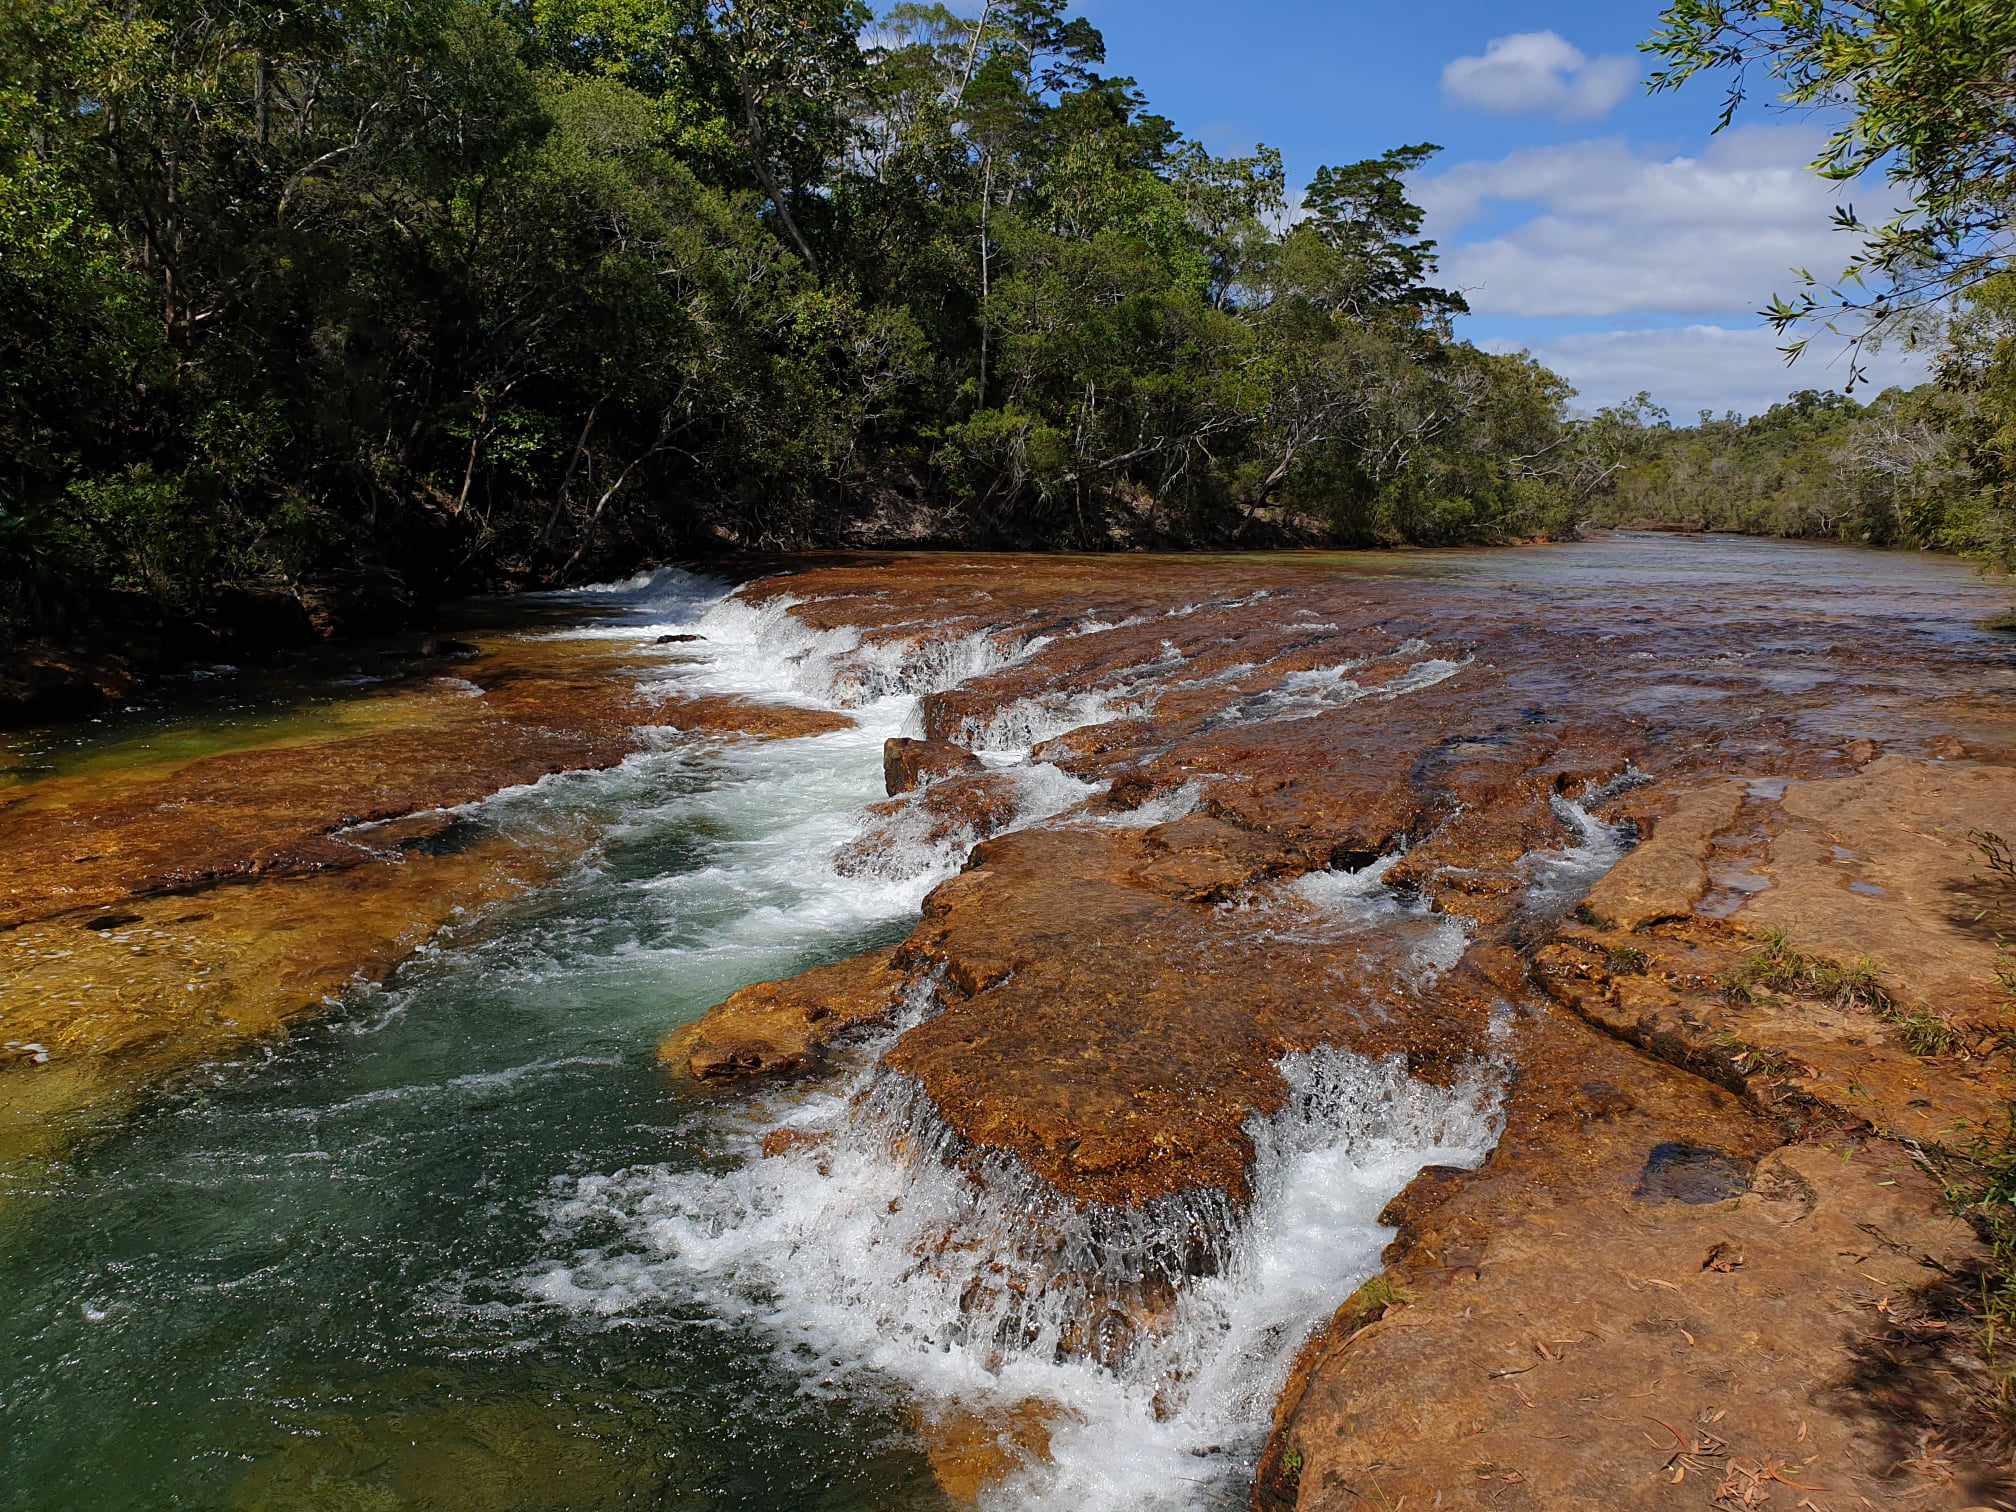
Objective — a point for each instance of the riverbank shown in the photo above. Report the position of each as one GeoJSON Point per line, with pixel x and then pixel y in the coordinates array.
{"type": "Point", "coordinates": [1415, 1002]}
{"type": "Point", "coordinates": [179, 886]}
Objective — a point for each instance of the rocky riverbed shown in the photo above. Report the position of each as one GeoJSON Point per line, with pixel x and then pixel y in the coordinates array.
{"type": "Point", "coordinates": [1462, 1029]}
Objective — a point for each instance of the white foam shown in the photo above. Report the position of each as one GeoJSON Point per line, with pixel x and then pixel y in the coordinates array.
{"type": "Point", "coordinates": [872, 1262]}
{"type": "Point", "coordinates": [1163, 808]}
{"type": "Point", "coordinates": [1558, 878]}
{"type": "Point", "coordinates": [1319, 690]}
{"type": "Point", "coordinates": [1017, 728]}
{"type": "Point", "coordinates": [777, 817]}
{"type": "Point", "coordinates": [1355, 894]}
{"type": "Point", "coordinates": [903, 847]}
{"type": "Point", "coordinates": [1422, 943]}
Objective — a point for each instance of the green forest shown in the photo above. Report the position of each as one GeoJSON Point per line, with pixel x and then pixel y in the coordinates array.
{"type": "Point", "coordinates": [1927, 467]}
{"type": "Point", "coordinates": [342, 309]}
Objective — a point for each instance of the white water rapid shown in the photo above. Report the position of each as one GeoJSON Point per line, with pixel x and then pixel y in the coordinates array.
{"type": "Point", "coordinates": [1152, 1343]}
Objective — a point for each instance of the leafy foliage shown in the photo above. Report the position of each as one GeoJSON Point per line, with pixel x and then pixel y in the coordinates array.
{"type": "Point", "coordinates": [1920, 93]}
{"type": "Point", "coordinates": [356, 305]}
{"type": "Point", "coordinates": [1932, 467]}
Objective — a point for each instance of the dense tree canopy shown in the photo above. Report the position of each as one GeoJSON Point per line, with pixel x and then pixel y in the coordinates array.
{"type": "Point", "coordinates": [349, 304]}
{"type": "Point", "coordinates": [341, 307]}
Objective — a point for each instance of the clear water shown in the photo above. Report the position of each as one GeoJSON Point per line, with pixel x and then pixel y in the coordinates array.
{"type": "Point", "coordinates": [290, 1282]}
{"type": "Point", "coordinates": [465, 1245]}
{"type": "Point", "coordinates": [276, 1288]}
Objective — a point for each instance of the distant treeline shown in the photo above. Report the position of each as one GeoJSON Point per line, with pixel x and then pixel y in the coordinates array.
{"type": "Point", "coordinates": [345, 306]}
{"type": "Point", "coordinates": [309, 313]}
{"type": "Point", "coordinates": [1932, 467]}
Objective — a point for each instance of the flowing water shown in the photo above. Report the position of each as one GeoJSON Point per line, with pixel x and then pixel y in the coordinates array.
{"type": "Point", "coordinates": [462, 1243]}
{"type": "Point", "coordinates": [292, 1282]}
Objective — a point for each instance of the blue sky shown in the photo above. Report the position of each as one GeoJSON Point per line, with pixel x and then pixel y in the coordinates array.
{"type": "Point", "coordinates": [1599, 227]}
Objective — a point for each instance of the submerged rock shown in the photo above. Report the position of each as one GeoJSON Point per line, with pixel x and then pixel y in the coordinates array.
{"type": "Point", "coordinates": [749, 719]}
{"type": "Point", "coordinates": [1680, 1172]}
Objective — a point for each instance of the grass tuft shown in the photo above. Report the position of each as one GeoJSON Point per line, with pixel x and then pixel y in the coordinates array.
{"type": "Point", "coordinates": [1996, 854]}
{"type": "Point", "coordinates": [1775, 967]}
{"type": "Point", "coordinates": [1377, 1293]}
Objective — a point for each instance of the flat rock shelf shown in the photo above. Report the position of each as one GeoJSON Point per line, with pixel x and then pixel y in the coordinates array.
{"type": "Point", "coordinates": [1312, 1030]}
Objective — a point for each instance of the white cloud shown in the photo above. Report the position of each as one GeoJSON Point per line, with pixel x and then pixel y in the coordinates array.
{"type": "Point", "coordinates": [1539, 71]}
{"type": "Point", "coordinates": [1713, 367]}
{"type": "Point", "coordinates": [1615, 230]}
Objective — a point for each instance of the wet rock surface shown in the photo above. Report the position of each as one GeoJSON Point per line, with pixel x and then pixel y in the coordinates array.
{"type": "Point", "coordinates": [157, 911]}
{"type": "Point", "coordinates": [777, 1028]}
{"type": "Point", "coordinates": [1331, 811]}
{"type": "Point", "coordinates": [908, 764]}
{"type": "Point", "coordinates": [1519, 846]}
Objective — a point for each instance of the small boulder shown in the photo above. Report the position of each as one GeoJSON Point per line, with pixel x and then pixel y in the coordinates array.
{"type": "Point", "coordinates": [783, 1141]}
{"type": "Point", "coordinates": [908, 764]}
{"type": "Point", "coordinates": [963, 810]}
{"type": "Point", "coordinates": [441, 645]}
{"type": "Point", "coordinates": [780, 1028]}
{"type": "Point", "coordinates": [676, 640]}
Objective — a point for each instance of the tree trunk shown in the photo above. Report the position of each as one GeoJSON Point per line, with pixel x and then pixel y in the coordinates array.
{"type": "Point", "coordinates": [761, 167]}
{"type": "Point", "coordinates": [973, 53]}
{"type": "Point", "coordinates": [986, 286]}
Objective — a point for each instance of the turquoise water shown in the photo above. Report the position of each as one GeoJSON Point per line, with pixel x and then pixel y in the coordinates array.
{"type": "Point", "coordinates": [322, 1275]}
{"type": "Point", "coordinates": [298, 1279]}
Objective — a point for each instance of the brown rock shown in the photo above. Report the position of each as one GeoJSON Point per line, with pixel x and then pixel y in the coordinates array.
{"type": "Point", "coordinates": [1591, 1351]}
{"type": "Point", "coordinates": [1881, 865]}
{"type": "Point", "coordinates": [744, 717]}
{"type": "Point", "coordinates": [289, 807]}
{"type": "Point", "coordinates": [780, 1142]}
{"type": "Point", "coordinates": [1665, 876]}
{"type": "Point", "coordinates": [1065, 950]}
{"type": "Point", "coordinates": [970, 1452]}
{"type": "Point", "coordinates": [908, 764]}
{"type": "Point", "coordinates": [958, 810]}
{"type": "Point", "coordinates": [777, 1028]}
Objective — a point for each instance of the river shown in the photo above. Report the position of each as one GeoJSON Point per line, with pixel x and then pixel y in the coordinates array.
{"type": "Point", "coordinates": [461, 1241]}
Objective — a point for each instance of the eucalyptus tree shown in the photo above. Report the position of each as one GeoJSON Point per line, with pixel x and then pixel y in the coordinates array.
{"type": "Point", "coordinates": [1919, 91]}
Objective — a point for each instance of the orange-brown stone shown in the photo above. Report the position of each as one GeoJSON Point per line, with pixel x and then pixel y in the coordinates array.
{"type": "Point", "coordinates": [776, 1028]}
{"type": "Point", "coordinates": [908, 764]}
